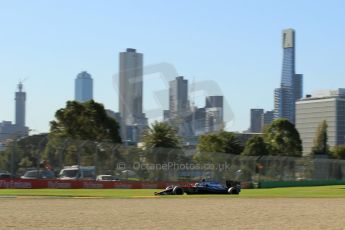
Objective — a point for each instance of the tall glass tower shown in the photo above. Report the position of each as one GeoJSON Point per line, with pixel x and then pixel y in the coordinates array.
{"type": "Point", "coordinates": [83, 87]}
{"type": "Point", "coordinates": [291, 83]}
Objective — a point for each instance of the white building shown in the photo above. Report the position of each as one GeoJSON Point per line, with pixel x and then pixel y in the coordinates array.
{"type": "Point", "coordinates": [83, 87]}
{"type": "Point", "coordinates": [131, 94]}
{"type": "Point", "coordinates": [328, 105]}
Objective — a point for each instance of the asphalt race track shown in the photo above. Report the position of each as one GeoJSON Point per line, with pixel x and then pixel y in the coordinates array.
{"type": "Point", "coordinates": [159, 213]}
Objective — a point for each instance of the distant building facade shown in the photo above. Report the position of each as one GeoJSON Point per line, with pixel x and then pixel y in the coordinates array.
{"type": "Point", "coordinates": [20, 98]}
{"type": "Point", "coordinates": [8, 130]}
{"type": "Point", "coordinates": [191, 121]}
{"type": "Point", "coordinates": [214, 114]}
{"type": "Point", "coordinates": [83, 87]}
{"type": "Point", "coordinates": [267, 118]}
{"type": "Point", "coordinates": [214, 102]}
{"type": "Point", "coordinates": [178, 97]}
{"type": "Point", "coordinates": [214, 119]}
{"type": "Point", "coordinates": [179, 114]}
{"type": "Point", "coordinates": [259, 119]}
{"type": "Point", "coordinates": [199, 121]}
{"type": "Point", "coordinates": [328, 105]}
{"type": "Point", "coordinates": [133, 120]}
{"type": "Point", "coordinates": [291, 87]}
{"type": "Point", "coordinates": [114, 115]}
{"type": "Point", "coordinates": [256, 120]}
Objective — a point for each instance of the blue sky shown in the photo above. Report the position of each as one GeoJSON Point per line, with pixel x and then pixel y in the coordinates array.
{"type": "Point", "coordinates": [236, 44]}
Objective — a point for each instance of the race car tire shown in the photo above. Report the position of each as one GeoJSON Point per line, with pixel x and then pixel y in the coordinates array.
{"type": "Point", "coordinates": [233, 191]}
{"type": "Point", "coordinates": [177, 190]}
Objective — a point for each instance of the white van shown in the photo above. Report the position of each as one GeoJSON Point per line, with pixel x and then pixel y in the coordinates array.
{"type": "Point", "coordinates": [77, 172]}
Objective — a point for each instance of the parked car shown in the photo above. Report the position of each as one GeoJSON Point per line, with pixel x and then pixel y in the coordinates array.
{"type": "Point", "coordinates": [4, 174]}
{"type": "Point", "coordinates": [77, 172]}
{"type": "Point", "coordinates": [106, 178]}
{"type": "Point", "coordinates": [38, 174]}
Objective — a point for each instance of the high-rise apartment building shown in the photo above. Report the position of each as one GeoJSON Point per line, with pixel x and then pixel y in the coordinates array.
{"type": "Point", "coordinates": [327, 105]}
{"type": "Point", "coordinates": [256, 120]}
{"type": "Point", "coordinates": [179, 114]}
{"type": "Point", "coordinates": [131, 86]}
{"type": "Point", "coordinates": [214, 101]}
{"type": "Point", "coordinates": [198, 121]}
{"type": "Point", "coordinates": [178, 97]}
{"type": "Point", "coordinates": [83, 87]}
{"type": "Point", "coordinates": [214, 113]}
{"type": "Point", "coordinates": [291, 83]}
{"type": "Point", "coordinates": [267, 118]}
{"type": "Point", "coordinates": [214, 119]}
{"type": "Point", "coordinates": [131, 94]}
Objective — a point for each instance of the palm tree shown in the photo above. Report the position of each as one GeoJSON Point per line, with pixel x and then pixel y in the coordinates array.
{"type": "Point", "coordinates": [160, 135]}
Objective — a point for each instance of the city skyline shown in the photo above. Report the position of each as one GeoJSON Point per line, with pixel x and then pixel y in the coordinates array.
{"type": "Point", "coordinates": [219, 48]}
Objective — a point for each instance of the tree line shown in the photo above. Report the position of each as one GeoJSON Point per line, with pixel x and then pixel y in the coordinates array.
{"type": "Point", "coordinates": [86, 127]}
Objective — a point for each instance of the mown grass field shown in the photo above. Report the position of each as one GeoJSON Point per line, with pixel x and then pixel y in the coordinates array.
{"type": "Point", "coordinates": [292, 192]}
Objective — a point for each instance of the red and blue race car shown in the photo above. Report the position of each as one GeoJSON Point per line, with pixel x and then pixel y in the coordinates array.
{"type": "Point", "coordinates": [203, 187]}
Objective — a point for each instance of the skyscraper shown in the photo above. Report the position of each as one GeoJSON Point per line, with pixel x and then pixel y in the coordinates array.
{"type": "Point", "coordinates": [291, 84]}
{"type": "Point", "coordinates": [178, 97]}
{"type": "Point", "coordinates": [131, 94]}
{"type": "Point", "coordinates": [267, 118]}
{"type": "Point", "coordinates": [298, 86]}
{"type": "Point", "coordinates": [83, 87]}
{"type": "Point", "coordinates": [179, 114]}
{"type": "Point", "coordinates": [214, 101]}
{"type": "Point", "coordinates": [256, 120]}
{"type": "Point", "coordinates": [214, 113]}
{"type": "Point", "coordinates": [131, 86]}
{"type": "Point", "coordinates": [20, 106]}
{"type": "Point", "coordinates": [214, 119]}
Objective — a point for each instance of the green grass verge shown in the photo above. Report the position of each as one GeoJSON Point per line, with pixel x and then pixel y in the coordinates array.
{"type": "Point", "coordinates": [292, 192]}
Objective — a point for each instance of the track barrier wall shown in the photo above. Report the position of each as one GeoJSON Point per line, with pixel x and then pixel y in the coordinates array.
{"type": "Point", "coordinates": [86, 184]}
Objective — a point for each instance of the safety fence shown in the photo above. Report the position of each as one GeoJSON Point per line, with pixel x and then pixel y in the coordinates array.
{"type": "Point", "coordinates": [161, 164]}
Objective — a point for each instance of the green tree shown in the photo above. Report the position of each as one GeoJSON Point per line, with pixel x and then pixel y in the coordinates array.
{"type": "Point", "coordinates": [22, 153]}
{"type": "Point", "coordinates": [320, 142]}
{"type": "Point", "coordinates": [255, 146]}
{"type": "Point", "coordinates": [162, 145]}
{"type": "Point", "coordinates": [78, 135]}
{"type": "Point", "coordinates": [338, 152]}
{"type": "Point", "coordinates": [282, 138]}
{"type": "Point", "coordinates": [160, 135]}
{"type": "Point", "coordinates": [222, 142]}
{"type": "Point", "coordinates": [85, 121]}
